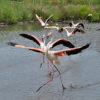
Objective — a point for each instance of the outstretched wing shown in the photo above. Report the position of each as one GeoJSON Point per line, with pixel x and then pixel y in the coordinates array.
{"type": "Point", "coordinates": [29, 48]}
{"type": "Point", "coordinates": [40, 20]}
{"type": "Point", "coordinates": [80, 24]}
{"type": "Point", "coordinates": [77, 30]}
{"type": "Point", "coordinates": [51, 27]}
{"type": "Point", "coordinates": [31, 37]}
{"type": "Point", "coordinates": [67, 27]}
{"type": "Point", "coordinates": [62, 41]}
{"type": "Point", "coordinates": [48, 19]}
{"type": "Point", "coordinates": [71, 51]}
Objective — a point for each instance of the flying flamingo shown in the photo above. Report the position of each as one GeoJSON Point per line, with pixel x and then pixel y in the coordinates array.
{"type": "Point", "coordinates": [61, 29]}
{"type": "Point", "coordinates": [71, 24]}
{"type": "Point", "coordinates": [41, 43]}
{"type": "Point", "coordinates": [73, 32]}
{"type": "Point", "coordinates": [44, 24]}
{"type": "Point", "coordinates": [50, 44]}
{"type": "Point", "coordinates": [53, 56]}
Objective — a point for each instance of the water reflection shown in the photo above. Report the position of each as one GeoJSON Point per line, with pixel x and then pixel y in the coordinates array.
{"type": "Point", "coordinates": [21, 27]}
{"type": "Point", "coordinates": [20, 74]}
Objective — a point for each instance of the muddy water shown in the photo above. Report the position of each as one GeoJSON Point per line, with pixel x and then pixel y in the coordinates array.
{"type": "Point", "coordinates": [21, 75]}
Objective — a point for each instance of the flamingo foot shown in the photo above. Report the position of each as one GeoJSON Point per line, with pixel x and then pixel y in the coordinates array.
{"type": "Point", "coordinates": [38, 88]}
{"type": "Point", "coordinates": [49, 74]}
{"type": "Point", "coordinates": [63, 87]}
{"type": "Point", "coordinates": [41, 65]}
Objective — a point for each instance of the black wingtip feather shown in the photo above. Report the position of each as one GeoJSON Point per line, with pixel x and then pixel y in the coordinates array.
{"type": "Point", "coordinates": [86, 46]}
{"type": "Point", "coordinates": [12, 43]}
{"type": "Point", "coordinates": [23, 35]}
{"type": "Point", "coordinates": [30, 37]}
{"type": "Point", "coordinates": [76, 51]}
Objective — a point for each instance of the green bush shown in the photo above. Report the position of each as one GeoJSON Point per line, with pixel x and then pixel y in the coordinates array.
{"type": "Point", "coordinates": [83, 11]}
{"type": "Point", "coordinates": [12, 11]}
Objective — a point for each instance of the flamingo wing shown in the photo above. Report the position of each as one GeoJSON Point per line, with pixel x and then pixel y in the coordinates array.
{"type": "Point", "coordinates": [51, 27]}
{"type": "Point", "coordinates": [48, 19]}
{"type": "Point", "coordinates": [81, 24]}
{"type": "Point", "coordinates": [40, 20]}
{"type": "Point", "coordinates": [77, 30]}
{"type": "Point", "coordinates": [67, 27]}
{"type": "Point", "coordinates": [71, 51]}
{"type": "Point", "coordinates": [29, 48]}
{"type": "Point", "coordinates": [32, 37]}
{"type": "Point", "coordinates": [64, 42]}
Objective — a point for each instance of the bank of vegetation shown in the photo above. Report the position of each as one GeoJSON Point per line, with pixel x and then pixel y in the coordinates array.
{"type": "Point", "coordinates": [14, 11]}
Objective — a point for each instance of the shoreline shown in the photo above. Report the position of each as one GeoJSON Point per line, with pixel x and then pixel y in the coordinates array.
{"type": "Point", "coordinates": [2, 24]}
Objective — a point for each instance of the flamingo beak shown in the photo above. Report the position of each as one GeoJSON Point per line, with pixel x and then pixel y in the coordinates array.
{"type": "Point", "coordinates": [50, 34]}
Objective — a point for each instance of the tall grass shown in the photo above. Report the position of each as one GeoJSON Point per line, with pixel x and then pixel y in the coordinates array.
{"type": "Point", "coordinates": [13, 11]}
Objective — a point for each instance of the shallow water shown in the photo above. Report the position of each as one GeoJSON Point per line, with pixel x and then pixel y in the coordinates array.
{"type": "Point", "coordinates": [21, 75]}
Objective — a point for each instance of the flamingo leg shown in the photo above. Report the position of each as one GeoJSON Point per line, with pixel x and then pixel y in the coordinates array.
{"type": "Point", "coordinates": [48, 68]}
{"type": "Point", "coordinates": [42, 62]}
{"type": "Point", "coordinates": [47, 81]}
{"type": "Point", "coordinates": [60, 77]}
{"type": "Point", "coordinates": [43, 59]}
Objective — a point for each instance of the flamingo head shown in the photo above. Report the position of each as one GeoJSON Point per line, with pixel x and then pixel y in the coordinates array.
{"type": "Point", "coordinates": [49, 35]}
{"type": "Point", "coordinates": [43, 37]}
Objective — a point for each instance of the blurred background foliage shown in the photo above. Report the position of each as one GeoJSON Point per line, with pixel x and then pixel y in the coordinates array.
{"type": "Point", "coordinates": [14, 11]}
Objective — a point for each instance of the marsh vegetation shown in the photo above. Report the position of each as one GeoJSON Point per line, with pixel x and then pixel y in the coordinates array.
{"type": "Point", "coordinates": [14, 11]}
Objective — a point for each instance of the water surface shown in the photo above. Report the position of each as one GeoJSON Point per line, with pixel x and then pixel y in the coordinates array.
{"type": "Point", "coordinates": [21, 75]}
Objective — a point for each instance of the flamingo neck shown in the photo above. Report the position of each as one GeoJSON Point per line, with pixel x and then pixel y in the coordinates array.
{"type": "Point", "coordinates": [49, 43]}
{"type": "Point", "coordinates": [44, 41]}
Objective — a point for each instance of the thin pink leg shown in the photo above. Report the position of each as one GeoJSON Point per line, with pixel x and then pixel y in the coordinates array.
{"type": "Point", "coordinates": [47, 81]}
{"type": "Point", "coordinates": [60, 77]}
{"type": "Point", "coordinates": [42, 62]}
{"type": "Point", "coordinates": [43, 59]}
{"type": "Point", "coordinates": [48, 68]}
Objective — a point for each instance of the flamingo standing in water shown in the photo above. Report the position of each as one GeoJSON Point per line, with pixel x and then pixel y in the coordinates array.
{"type": "Point", "coordinates": [53, 56]}
{"type": "Point", "coordinates": [71, 24]}
{"type": "Point", "coordinates": [44, 24]}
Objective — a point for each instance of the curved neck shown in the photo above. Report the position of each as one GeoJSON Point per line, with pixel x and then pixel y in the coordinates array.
{"type": "Point", "coordinates": [50, 41]}
{"type": "Point", "coordinates": [44, 40]}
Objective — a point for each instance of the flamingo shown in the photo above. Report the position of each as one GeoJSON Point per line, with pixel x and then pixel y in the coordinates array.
{"type": "Point", "coordinates": [41, 43]}
{"type": "Point", "coordinates": [50, 44]}
{"type": "Point", "coordinates": [71, 24]}
{"type": "Point", "coordinates": [61, 29]}
{"type": "Point", "coordinates": [73, 32]}
{"type": "Point", "coordinates": [44, 24]}
{"type": "Point", "coordinates": [53, 56]}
